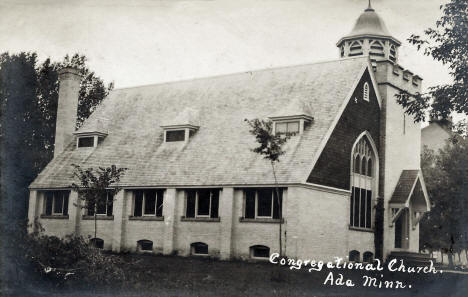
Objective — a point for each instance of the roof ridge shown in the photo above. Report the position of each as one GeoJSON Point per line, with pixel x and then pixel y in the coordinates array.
{"type": "Point", "coordinates": [239, 72]}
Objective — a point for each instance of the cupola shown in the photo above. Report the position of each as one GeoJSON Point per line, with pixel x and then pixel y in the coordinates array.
{"type": "Point", "coordinates": [369, 37]}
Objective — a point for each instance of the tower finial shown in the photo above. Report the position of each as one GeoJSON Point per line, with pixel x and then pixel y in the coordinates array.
{"type": "Point", "coordinates": [369, 7]}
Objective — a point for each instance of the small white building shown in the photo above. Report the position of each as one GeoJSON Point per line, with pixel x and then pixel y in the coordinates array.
{"type": "Point", "coordinates": [193, 185]}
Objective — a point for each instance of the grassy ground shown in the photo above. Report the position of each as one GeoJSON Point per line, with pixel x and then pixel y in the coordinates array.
{"type": "Point", "coordinates": [176, 276]}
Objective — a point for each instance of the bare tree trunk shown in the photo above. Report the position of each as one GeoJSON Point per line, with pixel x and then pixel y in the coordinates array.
{"type": "Point", "coordinates": [279, 211]}
{"type": "Point", "coordinates": [441, 256]}
{"type": "Point", "coordinates": [95, 221]}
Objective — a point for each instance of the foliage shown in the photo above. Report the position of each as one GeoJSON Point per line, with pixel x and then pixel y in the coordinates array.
{"type": "Point", "coordinates": [447, 43]}
{"type": "Point", "coordinates": [96, 185]}
{"type": "Point", "coordinates": [28, 100]}
{"type": "Point", "coordinates": [446, 176]}
{"type": "Point", "coordinates": [68, 261]}
{"type": "Point", "coordinates": [271, 148]}
{"type": "Point", "coordinates": [270, 145]}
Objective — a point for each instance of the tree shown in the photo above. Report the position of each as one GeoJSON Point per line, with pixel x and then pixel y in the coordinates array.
{"type": "Point", "coordinates": [270, 147]}
{"type": "Point", "coordinates": [446, 176]}
{"type": "Point", "coordinates": [447, 43]}
{"type": "Point", "coordinates": [96, 188]}
{"type": "Point", "coordinates": [28, 100]}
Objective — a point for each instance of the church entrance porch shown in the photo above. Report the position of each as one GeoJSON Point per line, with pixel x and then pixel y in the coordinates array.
{"type": "Point", "coordinates": [402, 231]}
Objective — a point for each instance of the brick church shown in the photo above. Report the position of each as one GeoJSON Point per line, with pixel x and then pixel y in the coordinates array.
{"type": "Point", "coordinates": [194, 186]}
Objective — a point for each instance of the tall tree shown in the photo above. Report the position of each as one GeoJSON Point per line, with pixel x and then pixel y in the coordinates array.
{"type": "Point", "coordinates": [446, 43]}
{"type": "Point", "coordinates": [446, 176]}
{"type": "Point", "coordinates": [28, 100]}
{"type": "Point", "coordinates": [270, 146]}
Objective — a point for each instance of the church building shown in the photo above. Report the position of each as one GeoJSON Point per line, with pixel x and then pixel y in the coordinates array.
{"type": "Point", "coordinates": [193, 186]}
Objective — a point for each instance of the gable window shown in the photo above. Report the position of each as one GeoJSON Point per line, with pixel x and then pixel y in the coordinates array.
{"type": "Point", "coordinates": [148, 202]}
{"type": "Point", "coordinates": [363, 184]}
{"type": "Point", "coordinates": [290, 128]}
{"type": "Point", "coordinates": [202, 203]}
{"type": "Point", "coordinates": [56, 203]}
{"type": "Point", "coordinates": [262, 203]}
{"type": "Point", "coordinates": [175, 135]}
{"type": "Point", "coordinates": [365, 92]}
{"type": "Point", "coordinates": [104, 206]}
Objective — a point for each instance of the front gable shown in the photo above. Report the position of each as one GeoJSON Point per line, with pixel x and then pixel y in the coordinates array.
{"type": "Point", "coordinates": [333, 165]}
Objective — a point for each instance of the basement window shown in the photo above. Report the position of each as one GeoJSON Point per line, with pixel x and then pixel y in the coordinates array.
{"type": "Point", "coordinates": [97, 243]}
{"type": "Point", "coordinates": [259, 251]}
{"type": "Point", "coordinates": [199, 248]}
{"type": "Point", "coordinates": [145, 245]}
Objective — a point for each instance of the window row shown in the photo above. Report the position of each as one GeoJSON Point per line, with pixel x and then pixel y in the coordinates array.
{"type": "Point", "coordinates": [259, 203]}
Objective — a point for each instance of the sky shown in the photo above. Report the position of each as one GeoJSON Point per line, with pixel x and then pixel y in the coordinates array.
{"type": "Point", "coordinates": [143, 42]}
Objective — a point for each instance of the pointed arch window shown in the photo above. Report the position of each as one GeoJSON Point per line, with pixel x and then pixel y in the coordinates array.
{"type": "Point", "coordinates": [363, 183]}
{"type": "Point", "coordinates": [365, 91]}
{"type": "Point", "coordinates": [393, 53]}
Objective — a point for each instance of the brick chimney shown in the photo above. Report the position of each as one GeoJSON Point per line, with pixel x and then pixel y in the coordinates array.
{"type": "Point", "coordinates": [69, 88]}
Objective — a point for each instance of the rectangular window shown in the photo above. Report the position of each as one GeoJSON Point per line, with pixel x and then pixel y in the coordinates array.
{"type": "Point", "coordinates": [86, 141]}
{"type": "Point", "coordinates": [105, 206]}
{"type": "Point", "coordinates": [361, 208]}
{"type": "Point", "coordinates": [202, 203]}
{"type": "Point", "coordinates": [56, 202]}
{"type": "Point", "coordinates": [262, 203]}
{"type": "Point", "coordinates": [287, 127]}
{"type": "Point", "coordinates": [176, 135]}
{"type": "Point", "coordinates": [148, 202]}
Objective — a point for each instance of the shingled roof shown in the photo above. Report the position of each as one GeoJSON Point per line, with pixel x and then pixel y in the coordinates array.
{"type": "Point", "coordinates": [410, 183]}
{"type": "Point", "coordinates": [219, 153]}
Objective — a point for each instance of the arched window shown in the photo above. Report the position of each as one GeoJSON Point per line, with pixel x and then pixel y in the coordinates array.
{"type": "Point", "coordinates": [367, 257]}
{"type": "Point", "coordinates": [199, 248]}
{"type": "Point", "coordinates": [144, 245]}
{"type": "Point", "coordinates": [369, 167]}
{"type": "Point", "coordinates": [354, 256]}
{"type": "Point", "coordinates": [365, 92]}
{"type": "Point", "coordinates": [363, 183]}
{"type": "Point", "coordinates": [259, 251]}
{"type": "Point", "coordinates": [357, 164]}
{"type": "Point", "coordinates": [97, 243]}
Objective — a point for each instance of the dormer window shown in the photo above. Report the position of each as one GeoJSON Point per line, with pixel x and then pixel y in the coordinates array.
{"type": "Point", "coordinates": [175, 135]}
{"type": "Point", "coordinates": [178, 133]}
{"type": "Point", "coordinates": [290, 125]}
{"type": "Point", "coordinates": [89, 139]}
{"type": "Point", "coordinates": [290, 128]}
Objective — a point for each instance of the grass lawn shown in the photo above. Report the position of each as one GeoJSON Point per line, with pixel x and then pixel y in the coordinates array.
{"type": "Point", "coordinates": [152, 275]}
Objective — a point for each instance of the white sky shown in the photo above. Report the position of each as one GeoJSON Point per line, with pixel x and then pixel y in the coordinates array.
{"type": "Point", "coordinates": [143, 42]}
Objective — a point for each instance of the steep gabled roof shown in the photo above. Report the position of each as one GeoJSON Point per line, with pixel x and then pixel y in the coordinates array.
{"type": "Point", "coordinates": [219, 153]}
{"type": "Point", "coordinates": [410, 182]}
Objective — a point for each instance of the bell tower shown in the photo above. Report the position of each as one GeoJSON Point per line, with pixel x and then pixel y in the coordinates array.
{"type": "Point", "coordinates": [369, 37]}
